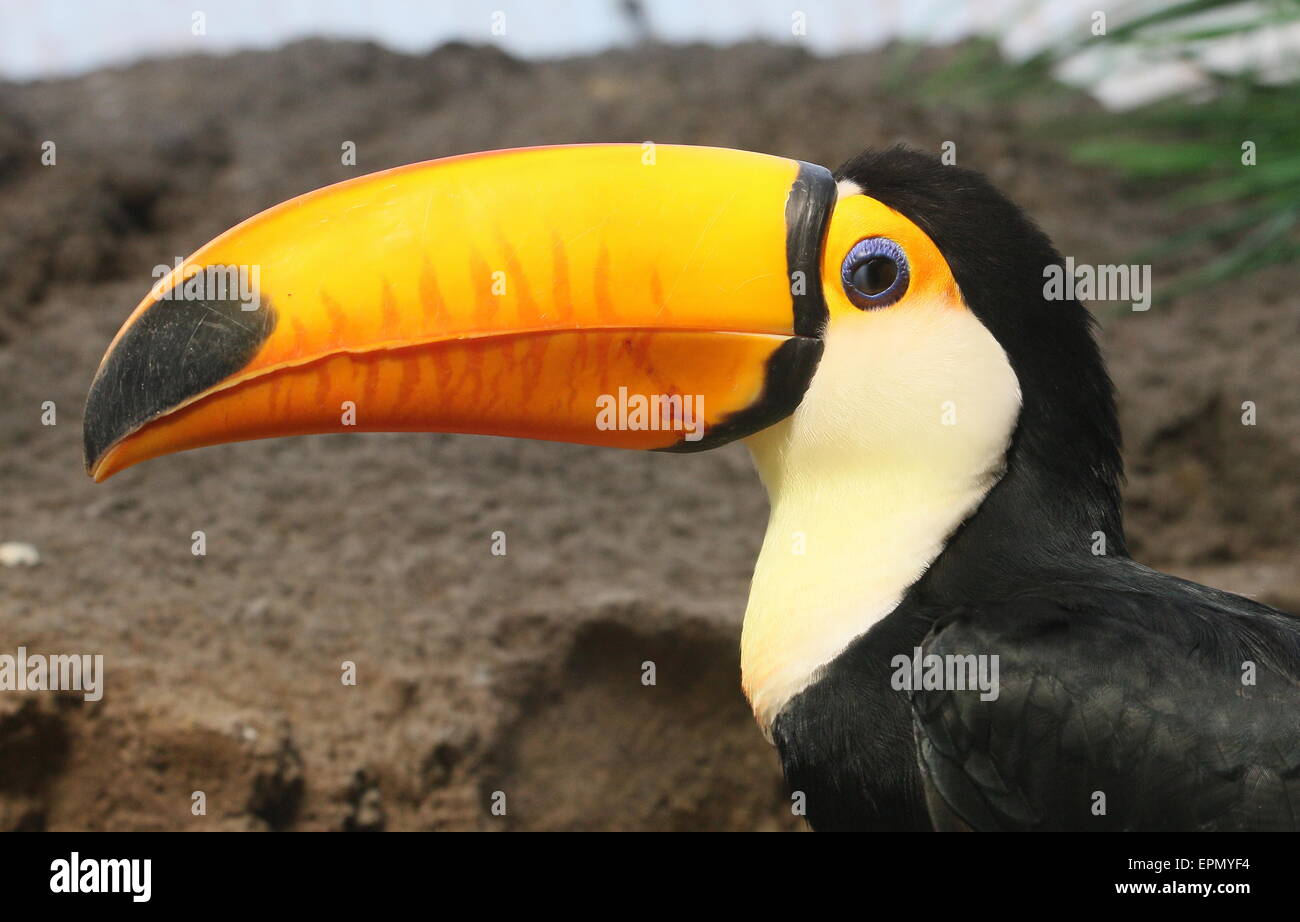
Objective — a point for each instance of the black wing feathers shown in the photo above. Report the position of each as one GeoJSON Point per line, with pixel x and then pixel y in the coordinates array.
{"type": "Point", "coordinates": [1119, 708]}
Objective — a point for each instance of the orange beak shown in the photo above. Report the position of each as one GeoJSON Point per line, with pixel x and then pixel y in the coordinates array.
{"type": "Point", "coordinates": [626, 295]}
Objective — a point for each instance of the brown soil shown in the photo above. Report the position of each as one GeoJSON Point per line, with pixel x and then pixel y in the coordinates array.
{"type": "Point", "coordinates": [477, 673]}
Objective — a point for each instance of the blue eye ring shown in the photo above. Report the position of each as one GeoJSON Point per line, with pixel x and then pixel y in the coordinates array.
{"type": "Point", "coordinates": [867, 270]}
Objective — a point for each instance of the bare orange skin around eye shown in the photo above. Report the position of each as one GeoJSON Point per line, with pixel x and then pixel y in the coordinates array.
{"type": "Point", "coordinates": [859, 216]}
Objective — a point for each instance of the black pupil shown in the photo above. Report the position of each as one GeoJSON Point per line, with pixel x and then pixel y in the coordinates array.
{"type": "Point", "coordinates": [875, 275]}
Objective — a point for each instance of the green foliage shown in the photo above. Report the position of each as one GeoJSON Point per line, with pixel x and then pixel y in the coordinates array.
{"type": "Point", "coordinates": [1189, 147]}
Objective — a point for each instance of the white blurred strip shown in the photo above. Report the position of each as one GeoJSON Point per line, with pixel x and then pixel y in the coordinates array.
{"type": "Point", "coordinates": [67, 37]}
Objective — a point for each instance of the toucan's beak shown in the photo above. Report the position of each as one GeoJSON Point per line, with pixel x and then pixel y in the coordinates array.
{"type": "Point", "coordinates": [638, 296]}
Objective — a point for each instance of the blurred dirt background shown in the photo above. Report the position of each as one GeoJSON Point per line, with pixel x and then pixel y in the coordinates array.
{"type": "Point", "coordinates": [480, 673]}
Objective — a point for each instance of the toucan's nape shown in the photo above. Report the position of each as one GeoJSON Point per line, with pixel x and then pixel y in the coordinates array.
{"type": "Point", "coordinates": [938, 440]}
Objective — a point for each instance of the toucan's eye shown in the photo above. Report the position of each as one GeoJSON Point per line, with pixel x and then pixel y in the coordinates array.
{"type": "Point", "coordinates": [875, 273]}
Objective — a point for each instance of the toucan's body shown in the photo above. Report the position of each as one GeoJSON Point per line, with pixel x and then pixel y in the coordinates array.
{"type": "Point", "coordinates": [1115, 679]}
{"type": "Point", "coordinates": [937, 438]}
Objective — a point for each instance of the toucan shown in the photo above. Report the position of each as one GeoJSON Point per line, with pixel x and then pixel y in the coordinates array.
{"type": "Point", "coordinates": [945, 630]}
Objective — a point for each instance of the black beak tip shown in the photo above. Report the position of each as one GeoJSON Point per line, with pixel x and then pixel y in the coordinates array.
{"type": "Point", "coordinates": [174, 350]}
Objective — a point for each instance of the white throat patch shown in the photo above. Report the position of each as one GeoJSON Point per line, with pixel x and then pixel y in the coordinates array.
{"type": "Point", "coordinates": [903, 431]}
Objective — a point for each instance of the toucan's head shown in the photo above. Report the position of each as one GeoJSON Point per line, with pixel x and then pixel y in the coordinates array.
{"type": "Point", "coordinates": [638, 296]}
